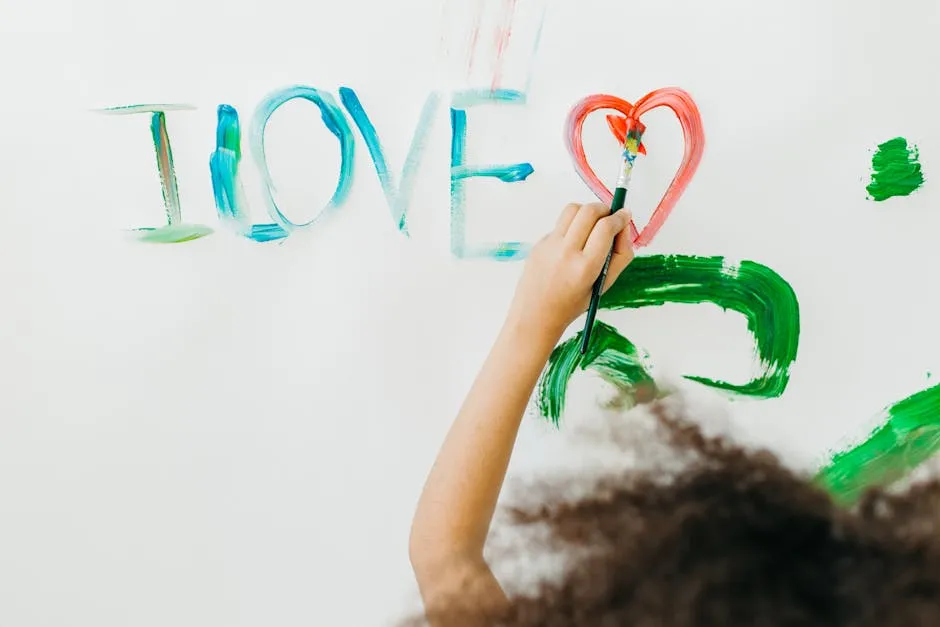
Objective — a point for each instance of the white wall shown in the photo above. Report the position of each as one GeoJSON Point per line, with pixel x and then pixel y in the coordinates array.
{"type": "Point", "coordinates": [222, 432]}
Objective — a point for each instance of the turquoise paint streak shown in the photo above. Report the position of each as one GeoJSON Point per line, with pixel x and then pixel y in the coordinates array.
{"type": "Point", "coordinates": [335, 122]}
{"type": "Point", "coordinates": [505, 173]}
{"type": "Point", "coordinates": [460, 172]}
{"type": "Point", "coordinates": [474, 97]}
{"type": "Point", "coordinates": [227, 187]}
{"type": "Point", "coordinates": [398, 197]}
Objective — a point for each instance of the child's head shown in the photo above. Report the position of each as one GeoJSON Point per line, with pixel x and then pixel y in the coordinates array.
{"type": "Point", "coordinates": [733, 539]}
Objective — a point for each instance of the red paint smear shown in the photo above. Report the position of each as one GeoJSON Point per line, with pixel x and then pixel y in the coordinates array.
{"type": "Point", "coordinates": [473, 47]}
{"type": "Point", "coordinates": [503, 33]}
{"type": "Point", "coordinates": [681, 103]}
{"type": "Point", "coordinates": [474, 38]}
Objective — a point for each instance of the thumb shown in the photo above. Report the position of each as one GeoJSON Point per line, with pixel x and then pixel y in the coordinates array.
{"type": "Point", "coordinates": [623, 255]}
{"type": "Point", "coordinates": [603, 237]}
{"type": "Point", "coordinates": [623, 244]}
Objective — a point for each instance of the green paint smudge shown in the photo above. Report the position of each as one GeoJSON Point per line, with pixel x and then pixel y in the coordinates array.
{"type": "Point", "coordinates": [896, 170]}
{"type": "Point", "coordinates": [610, 354]}
{"type": "Point", "coordinates": [765, 299]}
{"type": "Point", "coordinates": [172, 233]}
{"type": "Point", "coordinates": [909, 436]}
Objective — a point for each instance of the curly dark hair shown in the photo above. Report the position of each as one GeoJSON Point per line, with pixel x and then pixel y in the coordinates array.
{"type": "Point", "coordinates": [734, 538]}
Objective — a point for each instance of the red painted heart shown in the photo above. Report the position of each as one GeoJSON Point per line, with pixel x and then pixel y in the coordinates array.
{"type": "Point", "coordinates": [686, 112]}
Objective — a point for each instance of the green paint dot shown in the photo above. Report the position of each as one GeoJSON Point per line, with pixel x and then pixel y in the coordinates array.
{"type": "Point", "coordinates": [895, 170]}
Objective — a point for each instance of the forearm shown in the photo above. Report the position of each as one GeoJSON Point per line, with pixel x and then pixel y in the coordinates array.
{"type": "Point", "coordinates": [460, 495]}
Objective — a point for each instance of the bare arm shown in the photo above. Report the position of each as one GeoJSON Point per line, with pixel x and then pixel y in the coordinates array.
{"type": "Point", "coordinates": [456, 508]}
{"type": "Point", "coordinates": [460, 495]}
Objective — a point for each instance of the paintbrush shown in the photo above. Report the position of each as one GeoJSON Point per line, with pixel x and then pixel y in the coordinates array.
{"type": "Point", "coordinates": [631, 147]}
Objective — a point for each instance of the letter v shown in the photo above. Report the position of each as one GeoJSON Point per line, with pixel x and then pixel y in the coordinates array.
{"type": "Point", "coordinates": [398, 198]}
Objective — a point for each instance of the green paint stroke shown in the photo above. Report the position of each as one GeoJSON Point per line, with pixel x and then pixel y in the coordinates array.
{"type": "Point", "coordinates": [908, 436]}
{"type": "Point", "coordinates": [172, 234]}
{"type": "Point", "coordinates": [766, 300]}
{"type": "Point", "coordinates": [895, 170]}
{"type": "Point", "coordinates": [610, 354]}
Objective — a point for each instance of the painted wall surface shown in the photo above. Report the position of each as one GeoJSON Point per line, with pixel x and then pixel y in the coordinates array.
{"type": "Point", "coordinates": [253, 256]}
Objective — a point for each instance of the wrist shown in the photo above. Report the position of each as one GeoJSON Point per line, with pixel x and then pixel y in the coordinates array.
{"type": "Point", "coordinates": [536, 334]}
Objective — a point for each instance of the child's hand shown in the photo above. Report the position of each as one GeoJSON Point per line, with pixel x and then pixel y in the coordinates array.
{"type": "Point", "coordinates": [555, 287]}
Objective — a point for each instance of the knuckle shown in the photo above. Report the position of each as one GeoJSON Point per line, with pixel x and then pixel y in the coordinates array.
{"type": "Point", "coordinates": [588, 210]}
{"type": "Point", "coordinates": [609, 226]}
{"type": "Point", "coordinates": [598, 209]}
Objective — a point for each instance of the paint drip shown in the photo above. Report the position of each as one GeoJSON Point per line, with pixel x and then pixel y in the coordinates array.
{"type": "Point", "coordinates": [763, 297]}
{"type": "Point", "coordinates": [896, 170]}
